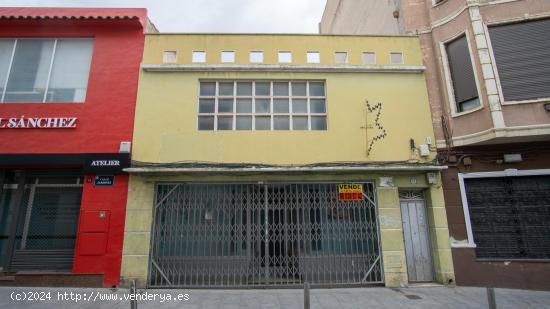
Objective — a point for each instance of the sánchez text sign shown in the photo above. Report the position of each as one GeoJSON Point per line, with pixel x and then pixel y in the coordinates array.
{"type": "Point", "coordinates": [348, 192]}
{"type": "Point", "coordinates": [38, 123]}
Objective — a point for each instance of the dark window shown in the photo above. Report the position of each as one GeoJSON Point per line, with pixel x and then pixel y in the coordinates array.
{"type": "Point", "coordinates": [462, 75]}
{"type": "Point", "coordinates": [510, 216]}
{"type": "Point", "coordinates": [522, 55]}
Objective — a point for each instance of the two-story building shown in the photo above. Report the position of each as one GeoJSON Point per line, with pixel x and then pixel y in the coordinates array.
{"type": "Point", "coordinates": [274, 160]}
{"type": "Point", "coordinates": [68, 85]}
{"type": "Point", "coordinates": [488, 76]}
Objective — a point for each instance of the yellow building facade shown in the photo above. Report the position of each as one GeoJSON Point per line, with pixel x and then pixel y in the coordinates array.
{"type": "Point", "coordinates": [274, 160]}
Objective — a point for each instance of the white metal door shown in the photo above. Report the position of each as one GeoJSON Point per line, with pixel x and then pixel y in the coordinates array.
{"type": "Point", "coordinates": [416, 234]}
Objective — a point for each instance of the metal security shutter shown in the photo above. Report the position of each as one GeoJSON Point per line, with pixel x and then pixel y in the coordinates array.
{"type": "Point", "coordinates": [522, 54]}
{"type": "Point", "coordinates": [242, 235]}
{"type": "Point", "coordinates": [510, 216]}
{"type": "Point", "coordinates": [462, 73]}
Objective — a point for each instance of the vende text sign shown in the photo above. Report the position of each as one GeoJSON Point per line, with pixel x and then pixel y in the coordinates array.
{"type": "Point", "coordinates": [350, 192]}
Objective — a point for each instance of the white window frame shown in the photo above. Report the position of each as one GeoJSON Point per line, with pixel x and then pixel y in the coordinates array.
{"type": "Point", "coordinates": [197, 52]}
{"type": "Point", "coordinates": [494, 63]}
{"type": "Point", "coordinates": [281, 53]}
{"type": "Point", "coordinates": [316, 57]}
{"type": "Point", "coordinates": [449, 81]}
{"type": "Point", "coordinates": [341, 52]}
{"type": "Point", "coordinates": [258, 52]}
{"type": "Point", "coordinates": [271, 99]}
{"type": "Point", "coordinates": [55, 39]}
{"type": "Point", "coordinates": [230, 53]}
{"type": "Point", "coordinates": [505, 173]}
{"type": "Point", "coordinates": [402, 57]}
{"type": "Point", "coordinates": [167, 52]}
{"type": "Point", "coordinates": [368, 52]}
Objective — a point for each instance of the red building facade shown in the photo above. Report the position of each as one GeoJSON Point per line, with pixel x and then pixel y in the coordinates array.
{"type": "Point", "coordinates": [68, 84]}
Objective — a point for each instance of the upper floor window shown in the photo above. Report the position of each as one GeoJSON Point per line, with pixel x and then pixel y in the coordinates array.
{"type": "Point", "coordinates": [341, 57]}
{"type": "Point", "coordinates": [313, 57]}
{"type": "Point", "coordinates": [464, 88]}
{"type": "Point", "coordinates": [256, 57]}
{"type": "Point", "coordinates": [285, 57]}
{"type": "Point", "coordinates": [169, 56]}
{"type": "Point", "coordinates": [262, 105]}
{"type": "Point", "coordinates": [44, 70]}
{"type": "Point", "coordinates": [369, 58]}
{"type": "Point", "coordinates": [396, 58]}
{"type": "Point", "coordinates": [522, 56]}
{"type": "Point", "coordinates": [228, 56]}
{"type": "Point", "coordinates": [198, 56]}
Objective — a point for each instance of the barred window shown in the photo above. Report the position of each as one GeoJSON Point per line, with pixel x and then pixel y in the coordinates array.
{"type": "Point", "coordinates": [262, 105]}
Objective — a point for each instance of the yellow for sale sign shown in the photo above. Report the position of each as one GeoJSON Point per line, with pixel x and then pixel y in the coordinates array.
{"type": "Point", "coordinates": [350, 192]}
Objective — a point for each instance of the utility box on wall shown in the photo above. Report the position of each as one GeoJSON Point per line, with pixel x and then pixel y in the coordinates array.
{"type": "Point", "coordinates": [93, 232]}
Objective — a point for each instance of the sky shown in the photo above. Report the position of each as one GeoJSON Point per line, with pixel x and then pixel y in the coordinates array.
{"type": "Point", "coordinates": [259, 16]}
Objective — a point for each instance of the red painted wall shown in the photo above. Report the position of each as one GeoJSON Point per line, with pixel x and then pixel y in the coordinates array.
{"type": "Point", "coordinates": [104, 120]}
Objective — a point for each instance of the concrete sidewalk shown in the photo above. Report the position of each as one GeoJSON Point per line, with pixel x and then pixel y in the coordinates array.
{"type": "Point", "coordinates": [417, 297]}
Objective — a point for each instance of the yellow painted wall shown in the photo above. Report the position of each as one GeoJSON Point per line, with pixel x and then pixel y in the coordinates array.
{"type": "Point", "coordinates": [167, 106]}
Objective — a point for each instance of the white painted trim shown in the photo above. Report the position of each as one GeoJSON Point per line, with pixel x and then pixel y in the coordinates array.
{"type": "Point", "coordinates": [449, 80]}
{"type": "Point", "coordinates": [394, 168]}
{"type": "Point", "coordinates": [505, 173]}
{"type": "Point", "coordinates": [525, 17]}
{"type": "Point", "coordinates": [461, 245]}
{"type": "Point", "coordinates": [493, 63]}
{"type": "Point", "coordinates": [542, 100]}
{"type": "Point", "coordinates": [478, 137]}
{"type": "Point", "coordinates": [283, 68]}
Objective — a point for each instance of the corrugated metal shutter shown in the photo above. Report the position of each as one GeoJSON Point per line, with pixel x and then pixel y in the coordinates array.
{"type": "Point", "coordinates": [462, 73]}
{"type": "Point", "coordinates": [522, 54]}
{"type": "Point", "coordinates": [510, 216]}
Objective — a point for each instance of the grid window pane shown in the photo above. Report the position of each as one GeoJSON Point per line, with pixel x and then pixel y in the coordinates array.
{"type": "Point", "coordinates": [285, 57]}
{"type": "Point", "coordinates": [228, 56]}
{"type": "Point", "coordinates": [207, 105]}
{"type": "Point", "coordinates": [225, 105]}
{"type": "Point", "coordinates": [262, 106]}
{"type": "Point", "coordinates": [244, 123]}
{"type": "Point", "coordinates": [299, 106]}
{"type": "Point", "coordinates": [244, 89]}
{"type": "Point", "coordinates": [244, 105]}
{"type": "Point", "coordinates": [281, 122]}
{"type": "Point", "coordinates": [263, 123]}
{"type": "Point", "coordinates": [313, 57]}
{"type": "Point", "coordinates": [199, 56]}
{"type": "Point", "coordinates": [206, 122]}
{"type": "Point", "coordinates": [318, 122]}
{"type": "Point", "coordinates": [263, 89]}
{"type": "Point", "coordinates": [280, 106]}
{"type": "Point", "coordinates": [318, 106]}
{"type": "Point", "coordinates": [317, 89]}
{"type": "Point", "coordinates": [280, 89]}
{"type": "Point", "coordinates": [299, 123]}
{"type": "Point", "coordinates": [299, 89]}
{"type": "Point", "coordinates": [226, 89]}
{"type": "Point", "coordinates": [208, 89]}
{"type": "Point", "coordinates": [225, 122]}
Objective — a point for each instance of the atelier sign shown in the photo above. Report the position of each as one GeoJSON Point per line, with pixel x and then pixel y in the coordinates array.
{"type": "Point", "coordinates": [104, 180]}
{"type": "Point", "coordinates": [38, 123]}
{"type": "Point", "coordinates": [106, 164]}
{"type": "Point", "coordinates": [350, 192]}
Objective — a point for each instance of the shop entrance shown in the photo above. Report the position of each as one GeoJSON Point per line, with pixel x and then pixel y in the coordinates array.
{"type": "Point", "coordinates": [219, 235]}
{"type": "Point", "coordinates": [38, 220]}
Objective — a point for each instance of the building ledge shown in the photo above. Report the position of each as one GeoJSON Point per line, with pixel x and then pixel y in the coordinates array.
{"type": "Point", "coordinates": [519, 134]}
{"type": "Point", "coordinates": [197, 167]}
{"type": "Point", "coordinates": [283, 68]}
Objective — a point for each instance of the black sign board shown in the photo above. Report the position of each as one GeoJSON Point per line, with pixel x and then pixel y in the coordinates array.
{"type": "Point", "coordinates": [104, 180]}
{"type": "Point", "coordinates": [107, 163]}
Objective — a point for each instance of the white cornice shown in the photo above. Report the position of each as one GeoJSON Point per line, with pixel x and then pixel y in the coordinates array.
{"type": "Point", "coordinates": [507, 132]}
{"type": "Point", "coordinates": [283, 68]}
